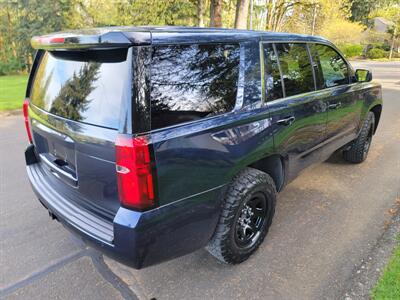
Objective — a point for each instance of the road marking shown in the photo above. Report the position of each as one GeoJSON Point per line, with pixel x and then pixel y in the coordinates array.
{"type": "Point", "coordinates": [40, 274]}
{"type": "Point", "coordinates": [110, 276]}
{"type": "Point", "coordinates": [98, 262]}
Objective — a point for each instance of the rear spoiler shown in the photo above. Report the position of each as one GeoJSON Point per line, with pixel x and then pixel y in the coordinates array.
{"type": "Point", "coordinates": [95, 38]}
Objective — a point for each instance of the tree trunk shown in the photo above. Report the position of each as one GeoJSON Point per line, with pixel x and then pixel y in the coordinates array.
{"type": "Point", "coordinates": [215, 13]}
{"type": "Point", "coordinates": [251, 14]}
{"type": "Point", "coordinates": [314, 18]}
{"type": "Point", "coordinates": [200, 13]}
{"type": "Point", "coordinates": [28, 62]}
{"type": "Point", "coordinates": [242, 10]}
{"type": "Point", "coordinates": [9, 31]}
{"type": "Point", "coordinates": [392, 46]}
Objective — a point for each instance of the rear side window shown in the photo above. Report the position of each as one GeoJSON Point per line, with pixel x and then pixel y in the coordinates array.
{"type": "Point", "coordinates": [332, 69]}
{"type": "Point", "coordinates": [296, 68]}
{"type": "Point", "coordinates": [83, 86]}
{"type": "Point", "coordinates": [191, 82]}
{"type": "Point", "coordinates": [273, 83]}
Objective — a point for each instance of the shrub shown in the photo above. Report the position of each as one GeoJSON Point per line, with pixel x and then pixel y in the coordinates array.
{"type": "Point", "coordinates": [381, 45]}
{"type": "Point", "coordinates": [376, 53]}
{"type": "Point", "coordinates": [11, 66]}
{"type": "Point", "coordinates": [352, 50]}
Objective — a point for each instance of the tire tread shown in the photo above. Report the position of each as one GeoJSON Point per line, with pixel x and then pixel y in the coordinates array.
{"type": "Point", "coordinates": [241, 185]}
{"type": "Point", "coordinates": [356, 152]}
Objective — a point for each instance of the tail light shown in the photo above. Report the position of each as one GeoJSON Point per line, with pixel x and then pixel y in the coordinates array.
{"type": "Point", "coordinates": [134, 174]}
{"type": "Point", "coordinates": [26, 119]}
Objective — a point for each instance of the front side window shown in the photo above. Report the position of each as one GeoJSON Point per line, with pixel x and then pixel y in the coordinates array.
{"type": "Point", "coordinates": [332, 69]}
{"type": "Point", "coordinates": [272, 76]}
{"type": "Point", "coordinates": [191, 82]}
{"type": "Point", "coordinates": [296, 68]}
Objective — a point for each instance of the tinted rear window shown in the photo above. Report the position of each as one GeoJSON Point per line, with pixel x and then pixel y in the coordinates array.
{"type": "Point", "coordinates": [190, 82]}
{"type": "Point", "coordinates": [296, 68]}
{"type": "Point", "coordinates": [83, 86]}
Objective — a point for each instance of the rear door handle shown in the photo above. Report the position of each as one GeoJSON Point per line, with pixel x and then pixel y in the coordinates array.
{"type": "Point", "coordinates": [335, 105]}
{"type": "Point", "coordinates": [286, 121]}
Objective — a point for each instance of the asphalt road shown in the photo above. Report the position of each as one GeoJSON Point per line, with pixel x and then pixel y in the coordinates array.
{"type": "Point", "coordinates": [39, 259]}
{"type": "Point", "coordinates": [326, 221]}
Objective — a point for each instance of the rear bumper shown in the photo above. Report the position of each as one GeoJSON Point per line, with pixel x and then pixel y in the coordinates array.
{"type": "Point", "coordinates": [137, 239]}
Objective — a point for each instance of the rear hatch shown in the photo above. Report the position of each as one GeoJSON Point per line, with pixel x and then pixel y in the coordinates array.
{"type": "Point", "coordinates": [77, 101]}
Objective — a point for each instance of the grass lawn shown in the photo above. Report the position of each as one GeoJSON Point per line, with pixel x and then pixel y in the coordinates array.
{"type": "Point", "coordinates": [12, 91]}
{"type": "Point", "coordinates": [388, 286]}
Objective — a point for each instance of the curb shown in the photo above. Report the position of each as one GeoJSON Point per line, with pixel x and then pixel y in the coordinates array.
{"type": "Point", "coordinates": [368, 272]}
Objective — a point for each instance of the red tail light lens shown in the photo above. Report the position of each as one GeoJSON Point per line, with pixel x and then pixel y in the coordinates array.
{"type": "Point", "coordinates": [26, 119]}
{"type": "Point", "coordinates": [135, 179]}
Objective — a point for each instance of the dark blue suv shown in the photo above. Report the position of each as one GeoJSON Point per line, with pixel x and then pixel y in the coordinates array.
{"type": "Point", "coordinates": [153, 142]}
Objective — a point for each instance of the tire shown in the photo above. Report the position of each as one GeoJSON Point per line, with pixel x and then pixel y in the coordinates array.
{"type": "Point", "coordinates": [249, 207]}
{"type": "Point", "coordinates": [359, 148]}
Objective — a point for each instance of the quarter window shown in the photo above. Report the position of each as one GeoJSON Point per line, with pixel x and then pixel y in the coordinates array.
{"type": "Point", "coordinates": [273, 83]}
{"type": "Point", "coordinates": [296, 68]}
{"type": "Point", "coordinates": [331, 68]}
{"type": "Point", "coordinates": [191, 82]}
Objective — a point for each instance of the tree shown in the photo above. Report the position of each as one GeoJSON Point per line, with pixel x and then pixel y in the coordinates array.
{"type": "Point", "coordinates": [72, 100]}
{"type": "Point", "coordinates": [148, 12]}
{"type": "Point", "coordinates": [242, 11]}
{"type": "Point", "coordinates": [215, 13]}
{"type": "Point", "coordinates": [360, 10]}
{"type": "Point", "coordinates": [26, 18]}
{"type": "Point", "coordinates": [391, 13]}
{"type": "Point", "coordinates": [394, 32]}
{"type": "Point", "coordinates": [275, 12]}
{"type": "Point", "coordinates": [22, 19]}
{"type": "Point", "coordinates": [200, 13]}
{"type": "Point", "coordinates": [327, 18]}
{"type": "Point", "coordinates": [9, 56]}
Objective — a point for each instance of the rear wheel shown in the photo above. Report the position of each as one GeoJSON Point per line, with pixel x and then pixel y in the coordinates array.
{"type": "Point", "coordinates": [359, 148]}
{"type": "Point", "coordinates": [246, 217]}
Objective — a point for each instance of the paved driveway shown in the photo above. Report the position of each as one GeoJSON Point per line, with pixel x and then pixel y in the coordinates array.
{"type": "Point", "coordinates": [326, 222]}
{"type": "Point", "coordinates": [39, 259]}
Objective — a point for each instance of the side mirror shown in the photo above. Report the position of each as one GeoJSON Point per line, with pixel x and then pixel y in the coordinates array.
{"type": "Point", "coordinates": [363, 75]}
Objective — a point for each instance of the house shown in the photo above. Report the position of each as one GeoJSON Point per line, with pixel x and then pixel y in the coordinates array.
{"type": "Point", "coordinates": [381, 24]}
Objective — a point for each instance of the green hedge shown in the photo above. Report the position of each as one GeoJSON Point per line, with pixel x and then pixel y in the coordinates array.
{"type": "Point", "coordinates": [12, 66]}
{"type": "Point", "coordinates": [352, 50]}
{"type": "Point", "coordinates": [376, 53]}
{"type": "Point", "coordinates": [382, 46]}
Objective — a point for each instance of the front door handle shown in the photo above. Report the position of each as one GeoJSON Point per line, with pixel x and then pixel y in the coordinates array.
{"type": "Point", "coordinates": [286, 121]}
{"type": "Point", "coordinates": [335, 105]}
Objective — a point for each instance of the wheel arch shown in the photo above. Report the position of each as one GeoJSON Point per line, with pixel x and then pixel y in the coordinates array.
{"type": "Point", "coordinates": [274, 166]}
{"type": "Point", "coordinates": [377, 110]}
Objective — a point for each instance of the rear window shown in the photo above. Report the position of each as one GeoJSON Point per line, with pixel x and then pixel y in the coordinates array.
{"type": "Point", "coordinates": [296, 70]}
{"type": "Point", "coordinates": [191, 82]}
{"type": "Point", "coordinates": [84, 86]}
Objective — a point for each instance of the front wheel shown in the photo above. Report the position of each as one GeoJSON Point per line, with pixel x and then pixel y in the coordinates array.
{"type": "Point", "coordinates": [247, 214]}
{"type": "Point", "coordinates": [359, 148]}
